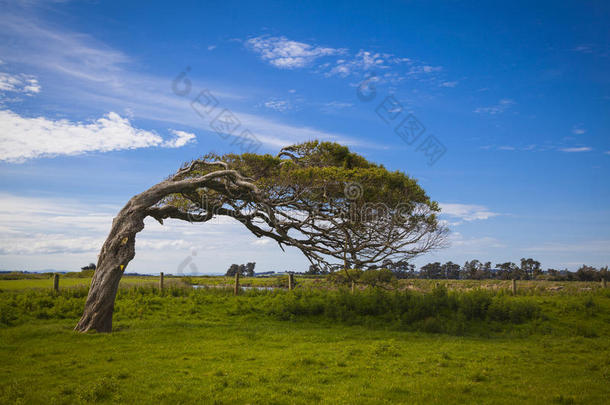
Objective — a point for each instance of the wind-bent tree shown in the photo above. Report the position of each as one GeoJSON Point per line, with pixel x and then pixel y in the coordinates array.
{"type": "Point", "coordinates": [321, 198]}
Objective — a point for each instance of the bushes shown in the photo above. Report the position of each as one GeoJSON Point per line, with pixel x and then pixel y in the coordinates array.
{"type": "Point", "coordinates": [438, 311]}
{"type": "Point", "coordinates": [371, 277]}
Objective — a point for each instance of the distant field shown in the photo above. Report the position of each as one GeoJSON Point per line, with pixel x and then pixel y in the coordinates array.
{"type": "Point", "coordinates": [66, 282]}
{"type": "Point", "coordinates": [422, 345]}
{"type": "Point", "coordinates": [422, 285]}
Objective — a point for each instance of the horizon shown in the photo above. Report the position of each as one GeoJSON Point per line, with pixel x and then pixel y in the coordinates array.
{"type": "Point", "coordinates": [98, 102]}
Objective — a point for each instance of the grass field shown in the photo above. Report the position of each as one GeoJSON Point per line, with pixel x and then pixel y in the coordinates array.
{"type": "Point", "coordinates": [69, 282]}
{"type": "Point", "coordinates": [307, 346]}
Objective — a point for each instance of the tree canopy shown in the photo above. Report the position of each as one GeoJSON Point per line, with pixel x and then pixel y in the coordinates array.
{"type": "Point", "coordinates": [330, 203]}
{"type": "Point", "coordinates": [322, 198]}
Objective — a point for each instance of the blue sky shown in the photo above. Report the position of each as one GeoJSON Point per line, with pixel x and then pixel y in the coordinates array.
{"type": "Point", "coordinates": [516, 94]}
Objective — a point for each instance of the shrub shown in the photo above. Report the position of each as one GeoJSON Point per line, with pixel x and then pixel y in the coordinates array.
{"type": "Point", "coordinates": [439, 311]}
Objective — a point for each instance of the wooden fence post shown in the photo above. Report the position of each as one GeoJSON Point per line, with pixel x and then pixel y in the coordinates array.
{"type": "Point", "coordinates": [56, 282]}
{"type": "Point", "coordinates": [161, 281]}
{"type": "Point", "coordinates": [514, 287]}
{"type": "Point", "coordinates": [236, 290]}
{"type": "Point", "coordinates": [353, 286]}
{"type": "Point", "coordinates": [290, 281]}
{"type": "Point", "coordinates": [603, 282]}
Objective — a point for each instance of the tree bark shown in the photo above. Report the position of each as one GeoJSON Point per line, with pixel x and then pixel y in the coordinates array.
{"type": "Point", "coordinates": [116, 253]}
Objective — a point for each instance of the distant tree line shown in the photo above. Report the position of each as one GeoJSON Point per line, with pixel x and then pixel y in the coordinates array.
{"type": "Point", "coordinates": [527, 269]}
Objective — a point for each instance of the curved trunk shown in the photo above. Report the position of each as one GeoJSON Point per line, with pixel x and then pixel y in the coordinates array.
{"type": "Point", "coordinates": [117, 252]}
{"type": "Point", "coordinates": [119, 247]}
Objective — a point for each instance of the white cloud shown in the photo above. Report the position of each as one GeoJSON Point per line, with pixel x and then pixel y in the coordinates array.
{"type": "Point", "coordinates": [449, 84]}
{"type": "Point", "coordinates": [33, 226]}
{"type": "Point", "coordinates": [363, 61]}
{"type": "Point", "coordinates": [541, 148]}
{"type": "Point", "coordinates": [607, 152]}
{"type": "Point", "coordinates": [286, 54]}
{"type": "Point", "coordinates": [339, 104]}
{"type": "Point", "coordinates": [499, 108]}
{"type": "Point", "coordinates": [181, 139]}
{"type": "Point", "coordinates": [24, 138]}
{"type": "Point", "coordinates": [578, 129]}
{"type": "Point", "coordinates": [430, 69]}
{"type": "Point", "coordinates": [211, 47]}
{"type": "Point", "coordinates": [474, 245]}
{"type": "Point", "coordinates": [385, 67]}
{"type": "Point", "coordinates": [261, 242]}
{"type": "Point", "coordinates": [466, 212]}
{"type": "Point", "coordinates": [576, 149]}
{"type": "Point", "coordinates": [19, 83]}
{"type": "Point", "coordinates": [277, 105]}
{"type": "Point", "coordinates": [277, 134]}
{"type": "Point", "coordinates": [95, 74]}
{"type": "Point", "coordinates": [333, 106]}
{"type": "Point", "coordinates": [42, 233]}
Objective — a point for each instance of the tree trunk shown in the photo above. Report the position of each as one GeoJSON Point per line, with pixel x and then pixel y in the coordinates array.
{"type": "Point", "coordinates": [117, 252]}
{"type": "Point", "coordinates": [119, 247]}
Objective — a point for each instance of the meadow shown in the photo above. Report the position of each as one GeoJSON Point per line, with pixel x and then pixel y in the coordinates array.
{"type": "Point", "coordinates": [455, 342]}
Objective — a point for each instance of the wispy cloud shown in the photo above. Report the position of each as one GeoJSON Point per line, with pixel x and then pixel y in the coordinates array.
{"type": "Point", "coordinates": [584, 48]}
{"type": "Point", "coordinates": [278, 105]}
{"type": "Point", "coordinates": [334, 106]}
{"type": "Point", "coordinates": [278, 134]}
{"type": "Point", "coordinates": [577, 149]}
{"type": "Point", "coordinates": [548, 147]}
{"type": "Point", "coordinates": [474, 245]}
{"type": "Point", "coordinates": [578, 129]}
{"type": "Point", "coordinates": [466, 212]}
{"type": "Point", "coordinates": [74, 54]}
{"type": "Point", "coordinates": [97, 75]}
{"type": "Point", "coordinates": [449, 84]}
{"type": "Point", "coordinates": [286, 54]}
{"type": "Point", "coordinates": [499, 108]}
{"type": "Point", "coordinates": [364, 61]}
{"type": "Point", "coordinates": [19, 83]}
{"type": "Point", "coordinates": [23, 138]}
{"type": "Point", "coordinates": [593, 49]}
{"type": "Point", "coordinates": [65, 234]}
{"type": "Point", "coordinates": [340, 62]}
{"type": "Point", "coordinates": [592, 246]}
{"type": "Point", "coordinates": [387, 67]}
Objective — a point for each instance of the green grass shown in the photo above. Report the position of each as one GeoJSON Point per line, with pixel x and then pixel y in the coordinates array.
{"type": "Point", "coordinates": [70, 282]}
{"type": "Point", "coordinates": [207, 346]}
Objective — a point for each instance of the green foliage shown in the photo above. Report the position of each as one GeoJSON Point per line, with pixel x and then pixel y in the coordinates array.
{"type": "Point", "coordinates": [370, 277]}
{"type": "Point", "coordinates": [320, 170]}
{"type": "Point", "coordinates": [375, 277]}
{"type": "Point", "coordinates": [344, 276]}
